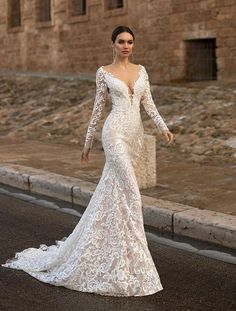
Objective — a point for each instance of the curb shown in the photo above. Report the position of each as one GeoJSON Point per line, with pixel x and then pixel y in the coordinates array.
{"type": "Point", "coordinates": [166, 216]}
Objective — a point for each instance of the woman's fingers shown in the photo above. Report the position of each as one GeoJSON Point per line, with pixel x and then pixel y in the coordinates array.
{"type": "Point", "coordinates": [85, 155]}
{"type": "Point", "coordinates": [82, 157]}
{"type": "Point", "coordinates": [169, 136]}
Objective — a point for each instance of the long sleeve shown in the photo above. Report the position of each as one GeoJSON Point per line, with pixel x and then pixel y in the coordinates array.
{"type": "Point", "coordinates": [99, 103]}
{"type": "Point", "coordinates": [150, 107]}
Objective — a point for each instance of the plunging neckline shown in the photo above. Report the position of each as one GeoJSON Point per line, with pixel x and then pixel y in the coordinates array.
{"type": "Point", "coordinates": [111, 74]}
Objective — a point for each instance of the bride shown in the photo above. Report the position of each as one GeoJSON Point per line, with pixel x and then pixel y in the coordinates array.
{"type": "Point", "coordinates": [107, 252]}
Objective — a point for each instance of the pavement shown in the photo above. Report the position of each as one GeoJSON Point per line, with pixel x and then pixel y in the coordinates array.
{"type": "Point", "coordinates": [55, 179]}
{"type": "Point", "coordinates": [190, 281]}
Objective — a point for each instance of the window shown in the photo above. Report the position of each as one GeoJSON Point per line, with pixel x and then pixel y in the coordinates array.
{"type": "Point", "coordinates": [14, 11]}
{"type": "Point", "coordinates": [114, 4]}
{"type": "Point", "coordinates": [114, 8]}
{"type": "Point", "coordinates": [77, 11]}
{"type": "Point", "coordinates": [78, 7]}
{"type": "Point", "coordinates": [44, 10]}
{"type": "Point", "coordinates": [201, 59]}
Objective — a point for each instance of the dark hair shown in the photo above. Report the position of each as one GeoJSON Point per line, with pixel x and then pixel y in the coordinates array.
{"type": "Point", "coordinates": [119, 30]}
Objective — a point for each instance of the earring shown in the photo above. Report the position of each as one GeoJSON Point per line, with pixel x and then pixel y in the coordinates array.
{"type": "Point", "coordinates": [132, 55]}
{"type": "Point", "coordinates": [113, 53]}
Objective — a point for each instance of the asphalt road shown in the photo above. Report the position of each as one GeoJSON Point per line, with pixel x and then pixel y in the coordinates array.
{"type": "Point", "coordinates": [191, 282]}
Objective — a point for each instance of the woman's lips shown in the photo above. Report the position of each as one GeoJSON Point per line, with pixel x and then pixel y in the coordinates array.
{"type": "Point", "coordinates": [125, 51]}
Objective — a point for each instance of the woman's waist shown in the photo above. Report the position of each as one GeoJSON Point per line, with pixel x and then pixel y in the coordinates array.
{"type": "Point", "coordinates": [122, 119]}
{"type": "Point", "coordinates": [127, 112]}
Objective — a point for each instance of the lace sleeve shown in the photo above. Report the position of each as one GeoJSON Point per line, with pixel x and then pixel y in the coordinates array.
{"type": "Point", "coordinates": [150, 107]}
{"type": "Point", "coordinates": [99, 103]}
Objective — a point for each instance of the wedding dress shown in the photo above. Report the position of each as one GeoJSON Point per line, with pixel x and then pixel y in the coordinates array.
{"type": "Point", "coordinates": [107, 252]}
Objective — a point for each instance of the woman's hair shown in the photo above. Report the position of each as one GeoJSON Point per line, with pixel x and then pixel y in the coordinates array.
{"type": "Point", "coordinates": [119, 30]}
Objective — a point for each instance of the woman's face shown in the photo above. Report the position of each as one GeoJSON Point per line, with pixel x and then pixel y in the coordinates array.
{"type": "Point", "coordinates": [124, 44]}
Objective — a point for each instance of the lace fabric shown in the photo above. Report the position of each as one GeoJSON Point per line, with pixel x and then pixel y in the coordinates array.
{"type": "Point", "coordinates": [150, 107]}
{"type": "Point", "coordinates": [98, 107]}
{"type": "Point", "coordinates": [107, 252]}
{"type": "Point", "coordinates": [100, 100]}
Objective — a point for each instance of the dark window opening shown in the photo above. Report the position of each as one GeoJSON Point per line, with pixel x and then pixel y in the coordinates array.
{"type": "Point", "coordinates": [201, 59]}
{"type": "Point", "coordinates": [114, 4]}
{"type": "Point", "coordinates": [14, 13]}
{"type": "Point", "coordinates": [78, 7]}
{"type": "Point", "coordinates": [44, 10]}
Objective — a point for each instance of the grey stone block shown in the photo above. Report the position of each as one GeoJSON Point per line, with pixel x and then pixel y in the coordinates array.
{"type": "Point", "coordinates": [53, 185]}
{"type": "Point", "coordinates": [14, 176]}
{"type": "Point", "coordinates": [158, 213]}
{"type": "Point", "coordinates": [207, 225]}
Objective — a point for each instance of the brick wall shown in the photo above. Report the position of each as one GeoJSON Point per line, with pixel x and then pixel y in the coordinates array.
{"type": "Point", "coordinates": [81, 44]}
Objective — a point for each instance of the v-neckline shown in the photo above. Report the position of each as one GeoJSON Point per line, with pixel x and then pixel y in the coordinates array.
{"type": "Point", "coordinates": [111, 74]}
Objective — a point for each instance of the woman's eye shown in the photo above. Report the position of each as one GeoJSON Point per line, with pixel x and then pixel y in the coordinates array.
{"type": "Point", "coordinates": [121, 42]}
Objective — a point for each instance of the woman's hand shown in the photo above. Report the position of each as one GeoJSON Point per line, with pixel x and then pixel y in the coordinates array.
{"type": "Point", "coordinates": [169, 136]}
{"type": "Point", "coordinates": [85, 154]}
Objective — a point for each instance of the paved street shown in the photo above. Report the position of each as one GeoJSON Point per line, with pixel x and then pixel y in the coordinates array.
{"type": "Point", "coordinates": [191, 282]}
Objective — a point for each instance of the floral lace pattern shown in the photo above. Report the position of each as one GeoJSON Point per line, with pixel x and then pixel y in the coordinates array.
{"type": "Point", "coordinates": [107, 252]}
{"type": "Point", "coordinates": [120, 96]}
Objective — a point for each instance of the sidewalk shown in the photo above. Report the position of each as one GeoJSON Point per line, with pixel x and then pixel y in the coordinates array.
{"type": "Point", "coordinates": [55, 170]}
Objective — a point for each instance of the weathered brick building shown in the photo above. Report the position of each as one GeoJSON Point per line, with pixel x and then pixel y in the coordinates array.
{"type": "Point", "coordinates": [175, 39]}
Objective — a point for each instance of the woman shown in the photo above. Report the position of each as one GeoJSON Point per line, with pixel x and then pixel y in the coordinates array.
{"type": "Point", "coordinates": [107, 252]}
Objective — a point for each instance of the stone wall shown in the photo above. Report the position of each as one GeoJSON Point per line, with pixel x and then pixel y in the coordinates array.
{"type": "Point", "coordinates": [81, 44]}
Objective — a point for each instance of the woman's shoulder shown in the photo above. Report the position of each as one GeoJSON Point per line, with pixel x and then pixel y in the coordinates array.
{"type": "Point", "coordinates": [103, 68]}
{"type": "Point", "coordinates": [100, 71]}
{"type": "Point", "coordinates": [106, 66]}
{"type": "Point", "coordinates": [142, 66]}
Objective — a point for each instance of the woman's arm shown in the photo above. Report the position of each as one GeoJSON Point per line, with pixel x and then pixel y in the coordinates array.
{"type": "Point", "coordinates": [150, 107]}
{"type": "Point", "coordinates": [99, 103]}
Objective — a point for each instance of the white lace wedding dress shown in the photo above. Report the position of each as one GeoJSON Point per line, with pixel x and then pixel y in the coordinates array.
{"type": "Point", "coordinates": [107, 252]}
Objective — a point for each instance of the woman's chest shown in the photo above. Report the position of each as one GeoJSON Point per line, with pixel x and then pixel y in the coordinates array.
{"type": "Point", "coordinates": [118, 87]}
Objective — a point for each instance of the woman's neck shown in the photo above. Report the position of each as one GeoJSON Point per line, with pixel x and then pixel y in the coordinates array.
{"type": "Point", "coordinates": [121, 62]}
